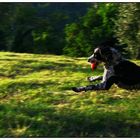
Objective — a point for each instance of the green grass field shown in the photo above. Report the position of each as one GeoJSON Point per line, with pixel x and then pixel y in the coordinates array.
{"type": "Point", "coordinates": [36, 100]}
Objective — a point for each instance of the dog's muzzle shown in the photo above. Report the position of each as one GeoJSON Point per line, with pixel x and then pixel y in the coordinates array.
{"type": "Point", "coordinates": [91, 59]}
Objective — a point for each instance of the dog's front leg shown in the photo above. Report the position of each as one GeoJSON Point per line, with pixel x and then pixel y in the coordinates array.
{"type": "Point", "coordinates": [101, 86]}
{"type": "Point", "coordinates": [94, 78]}
{"type": "Point", "coordinates": [84, 88]}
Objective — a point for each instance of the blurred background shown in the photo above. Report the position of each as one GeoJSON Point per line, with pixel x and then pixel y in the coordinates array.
{"type": "Point", "coordinates": [73, 29]}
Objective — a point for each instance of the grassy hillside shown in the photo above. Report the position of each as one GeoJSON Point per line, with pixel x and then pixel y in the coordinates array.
{"type": "Point", "coordinates": [36, 100]}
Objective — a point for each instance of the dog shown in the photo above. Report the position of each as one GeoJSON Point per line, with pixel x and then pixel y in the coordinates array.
{"type": "Point", "coordinates": [117, 70]}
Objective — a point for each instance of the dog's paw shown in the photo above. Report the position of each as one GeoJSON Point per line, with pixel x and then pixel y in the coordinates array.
{"type": "Point", "coordinates": [78, 89]}
{"type": "Point", "coordinates": [90, 79]}
{"type": "Point", "coordinates": [75, 89]}
{"type": "Point", "coordinates": [94, 78]}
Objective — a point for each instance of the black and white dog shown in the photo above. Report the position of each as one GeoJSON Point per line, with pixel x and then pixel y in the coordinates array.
{"type": "Point", "coordinates": [117, 70]}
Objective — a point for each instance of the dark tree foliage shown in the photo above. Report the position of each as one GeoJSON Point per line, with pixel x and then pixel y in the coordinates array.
{"type": "Point", "coordinates": [128, 27]}
{"type": "Point", "coordinates": [95, 27]}
{"type": "Point", "coordinates": [37, 27]}
{"type": "Point", "coordinates": [6, 14]}
{"type": "Point", "coordinates": [73, 29]}
{"type": "Point", "coordinates": [2, 41]}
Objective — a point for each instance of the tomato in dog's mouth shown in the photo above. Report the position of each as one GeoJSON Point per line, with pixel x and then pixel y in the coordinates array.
{"type": "Point", "coordinates": [94, 65]}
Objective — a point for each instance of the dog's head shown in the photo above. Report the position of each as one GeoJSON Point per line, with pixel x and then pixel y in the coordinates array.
{"type": "Point", "coordinates": [108, 55]}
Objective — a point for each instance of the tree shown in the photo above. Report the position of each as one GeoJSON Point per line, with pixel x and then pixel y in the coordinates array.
{"type": "Point", "coordinates": [128, 27]}
{"type": "Point", "coordinates": [23, 25]}
{"type": "Point", "coordinates": [6, 10]}
{"type": "Point", "coordinates": [36, 27]}
{"type": "Point", "coordinates": [95, 27]}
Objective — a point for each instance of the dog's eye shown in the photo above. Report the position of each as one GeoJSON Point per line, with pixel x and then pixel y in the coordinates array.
{"type": "Point", "coordinates": [97, 56]}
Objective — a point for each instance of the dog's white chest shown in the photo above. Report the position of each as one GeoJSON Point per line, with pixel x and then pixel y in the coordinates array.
{"type": "Point", "coordinates": [108, 73]}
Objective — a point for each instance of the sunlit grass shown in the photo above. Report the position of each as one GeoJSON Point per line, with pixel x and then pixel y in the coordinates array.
{"type": "Point", "coordinates": [36, 100]}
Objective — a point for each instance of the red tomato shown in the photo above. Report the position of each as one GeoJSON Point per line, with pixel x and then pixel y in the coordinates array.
{"type": "Point", "coordinates": [93, 66]}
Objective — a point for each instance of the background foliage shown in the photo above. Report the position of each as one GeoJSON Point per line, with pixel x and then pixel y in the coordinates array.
{"type": "Point", "coordinates": [69, 28]}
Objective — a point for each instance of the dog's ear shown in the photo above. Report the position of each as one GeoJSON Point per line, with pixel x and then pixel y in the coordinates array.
{"type": "Point", "coordinates": [116, 54]}
{"type": "Point", "coordinates": [106, 54]}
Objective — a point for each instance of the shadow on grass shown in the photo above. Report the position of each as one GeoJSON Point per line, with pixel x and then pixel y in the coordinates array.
{"type": "Point", "coordinates": [13, 88]}
{"type": "Point", "coordinates": [25, 67]}
{"type": "Point", "coordinates": [20, 69]}
{"type": "Point", "coordinates": [68, 123]}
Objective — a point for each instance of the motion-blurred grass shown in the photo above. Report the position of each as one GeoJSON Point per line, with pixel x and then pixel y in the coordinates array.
{"type": "Point", "coordinates": [36, 100]}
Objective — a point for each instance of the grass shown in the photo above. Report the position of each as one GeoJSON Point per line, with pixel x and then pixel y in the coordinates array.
{"type": "Point", "coordinates": [36, 100]}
